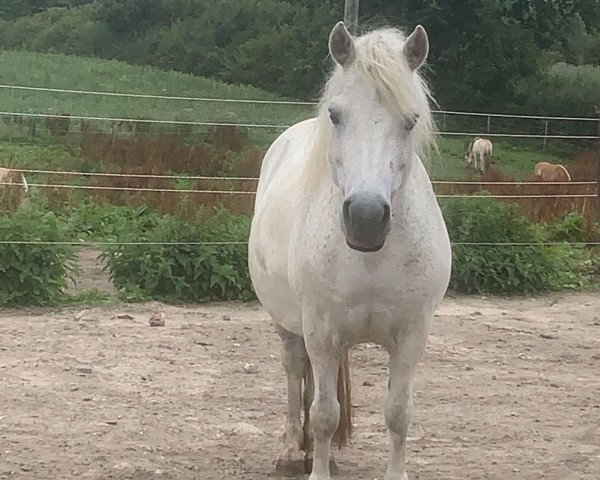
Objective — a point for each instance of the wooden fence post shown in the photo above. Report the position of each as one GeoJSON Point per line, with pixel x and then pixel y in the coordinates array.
{"type": "Point", "coordinates": [545, 135]}
{"type": "Point", "coordinates": [489, 124]}
{"type": "Point", "coordinates": [351, 16]}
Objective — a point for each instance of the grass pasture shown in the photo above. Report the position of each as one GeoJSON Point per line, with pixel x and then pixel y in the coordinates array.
{"type": "Point", "coordinates": [60, 143]}
{"type": "Point", "coordinates": [88, 74]}
{"type": "Point", "coordinates": [78, 73]}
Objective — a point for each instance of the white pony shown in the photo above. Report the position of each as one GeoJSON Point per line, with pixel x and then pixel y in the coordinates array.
{"type": "Point", "coordinates": [479, 152]}
{"type": "Point", "coordinates": [13, 188]}
{"type": "Point", "coordinates": [348, 244]}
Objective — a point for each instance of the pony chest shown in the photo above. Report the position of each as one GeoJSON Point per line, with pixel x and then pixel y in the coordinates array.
{"type": "Point", "coordinates": [361, 279]}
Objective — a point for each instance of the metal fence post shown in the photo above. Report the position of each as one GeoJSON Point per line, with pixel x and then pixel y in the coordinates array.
{"type": "Point", "coordinates": [545, 135]}
{"type": "Point", "coordinates": [598, 162]}
{"type": "Point", "coordinates": [351, 16]}
{"type": "Point", "coordinates": [489, 123]}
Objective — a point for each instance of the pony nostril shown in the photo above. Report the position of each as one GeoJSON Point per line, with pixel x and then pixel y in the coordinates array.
{"type": "Point", "coordinates": [346, 210]}
{"type": "Point", "coordinates": [386, 213]}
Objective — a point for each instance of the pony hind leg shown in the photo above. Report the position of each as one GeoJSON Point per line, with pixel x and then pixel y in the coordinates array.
{"type": "Point", "coordinates": [398, 408]}
{"type": "Point", "coordinates": [481, 162]}
{"type": "Point", "coordinates": [290, 461]}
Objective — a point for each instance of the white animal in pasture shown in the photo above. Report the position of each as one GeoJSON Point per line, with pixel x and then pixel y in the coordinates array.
{"type": "Point", "coordinates": [479, 154]}
{"type": "Point", "coordinates": [13, 188]}
{"type": "Point", "coordinates": [348, 244]}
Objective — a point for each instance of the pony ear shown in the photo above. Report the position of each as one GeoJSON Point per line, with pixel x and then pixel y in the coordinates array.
{"type": "Point", "coordinates": [416, 48]}
{"type": "Point", "coordinates": [341, 45]}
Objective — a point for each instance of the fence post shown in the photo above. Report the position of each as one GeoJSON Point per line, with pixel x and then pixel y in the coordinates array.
{"type": "Point", "coordinates": [598, 176]}
{"type": "Point", "coordinates": [489, 123]}
{"type": "Point", "coordinates": [351, 16]}
{"type": "Point", "coordinates": [545, 135]}
{"type": "Point", "coordinates": [598, 162]}
{"type": "Point", "coordinates": [113, 133]}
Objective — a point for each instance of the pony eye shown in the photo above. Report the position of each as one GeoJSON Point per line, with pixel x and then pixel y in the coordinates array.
{"type": "Point", "coordinates": [411, 122]}
{"type": "Point", "coordinates": [334, 116]}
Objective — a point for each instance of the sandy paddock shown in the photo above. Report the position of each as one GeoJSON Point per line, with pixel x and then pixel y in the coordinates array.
{"type": "Point", "coordinates": [508, 389]}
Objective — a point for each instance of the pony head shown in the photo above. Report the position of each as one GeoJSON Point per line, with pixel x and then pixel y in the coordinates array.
{"type": "Point", "coordinates": [469, 154]}
{"type": "Point", "coordinates": [374, 118]}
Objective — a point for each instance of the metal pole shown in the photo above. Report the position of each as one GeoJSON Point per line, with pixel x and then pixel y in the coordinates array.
{"type": "Point", "coordinates": [598, 176]}
{"type": "Point", "coordinates": [351, 16]}
{"type": "Point", "coordinates": [545, 134]}
{"type": "Point", "coordinates": [598, 161]}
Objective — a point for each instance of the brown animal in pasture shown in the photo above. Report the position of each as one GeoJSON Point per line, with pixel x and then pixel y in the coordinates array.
{"type": "Point", "coordinates": [13, 188]}
{"type": "Point", "coordinates": [549, 172]}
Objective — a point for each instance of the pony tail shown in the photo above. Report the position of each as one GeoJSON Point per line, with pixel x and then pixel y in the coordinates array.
{"type": "Point", "coordinates": [344, 430]}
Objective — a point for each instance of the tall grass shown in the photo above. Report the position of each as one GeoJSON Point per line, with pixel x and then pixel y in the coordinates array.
{"type": "Point", "coordinates": [78, 73]}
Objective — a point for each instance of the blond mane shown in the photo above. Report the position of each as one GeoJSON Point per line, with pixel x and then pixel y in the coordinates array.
{"type": "Point", "coordinates": [381, 62]}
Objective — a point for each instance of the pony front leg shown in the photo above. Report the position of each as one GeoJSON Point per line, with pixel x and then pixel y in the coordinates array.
{"type": "Point", "coordinates": [398, 408]}
{"type": "Point", "coordinates": [291, 460]}
{"type": "Point", "coordinates": [325, 409]}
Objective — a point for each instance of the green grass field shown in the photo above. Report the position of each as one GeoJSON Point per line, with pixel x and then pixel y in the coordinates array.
{"type": "Point", "coordinates": [77, 73]}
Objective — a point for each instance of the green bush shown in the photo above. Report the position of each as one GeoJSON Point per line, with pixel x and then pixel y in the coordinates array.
{"type": "Point", "coordinates": [92, 221]}
{"type": "Point", "coordinates": [570, 228]}
{"type": "Point", "coordinates": [33, 274]}
{"type": "Point", "coordinates": [184, 273]}
{"type": "Point", "coordinates": [504, 269]}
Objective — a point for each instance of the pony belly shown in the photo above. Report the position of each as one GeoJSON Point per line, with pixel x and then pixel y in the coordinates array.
{"type": "Point", "coordinates": [379, 319]}
{"type": "Point", "coordinates": [279, 301]}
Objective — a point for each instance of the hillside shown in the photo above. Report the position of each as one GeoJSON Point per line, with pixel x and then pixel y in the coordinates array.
{"type": "Point", "coordinates": [79, 73]}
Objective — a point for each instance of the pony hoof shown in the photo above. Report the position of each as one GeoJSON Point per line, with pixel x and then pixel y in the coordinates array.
{"type": "Point", "coordinates": [290, 468]}
{"type": "Point", "coordinates": [333, 468]}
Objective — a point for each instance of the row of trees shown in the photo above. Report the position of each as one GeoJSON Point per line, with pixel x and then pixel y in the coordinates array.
{"type": "Point", "coordinates": [484, 53]}
{"type": "Point", "coordinates": [12, 9]}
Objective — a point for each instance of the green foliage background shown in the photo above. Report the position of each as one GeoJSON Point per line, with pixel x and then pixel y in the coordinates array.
{"type": "Point", "coordinates": [32, 274]}
{"type": "Point", "coordinates": [184, 273]}
{"type": "Point", "coordinates": [485, 54]}
{"type": "Point", "coordinates": [200, 270]}
{"type": "Point", "coordinates": [510, 269]}
{"type": "Point", "coordinates": [514, 56]}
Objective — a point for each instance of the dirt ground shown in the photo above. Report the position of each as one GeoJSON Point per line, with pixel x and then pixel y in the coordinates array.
{"type": "Point", "coordinates": [508, 389]}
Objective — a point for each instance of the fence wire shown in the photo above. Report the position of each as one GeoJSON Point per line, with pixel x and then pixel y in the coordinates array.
{"type": "Point", "coordinates": [277, 127]}
{"type": "Point", "coordinates": [227, 178]}
{"type": "Point", "coordinates": [229, 243]}
{"type": "Point", "coordinates": [253, 192]}
{"type": "Point", "coordinates": [274, 102]}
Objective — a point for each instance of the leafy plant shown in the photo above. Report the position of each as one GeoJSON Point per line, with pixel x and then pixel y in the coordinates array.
{"type": "Point", "coordinates": [504, 268]}
{"type": "Point", "coordinates": [570, 228]}
{"type": "Point", "coordinates": [191, 272]}
{"type": "Point", "coordinates": [33, 274]}
{"type": "Point", "coordinates": [106, 222]}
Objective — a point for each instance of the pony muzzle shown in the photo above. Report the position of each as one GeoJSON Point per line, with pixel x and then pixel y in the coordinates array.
{"type": "Point", "coordinates": [366, 221]}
